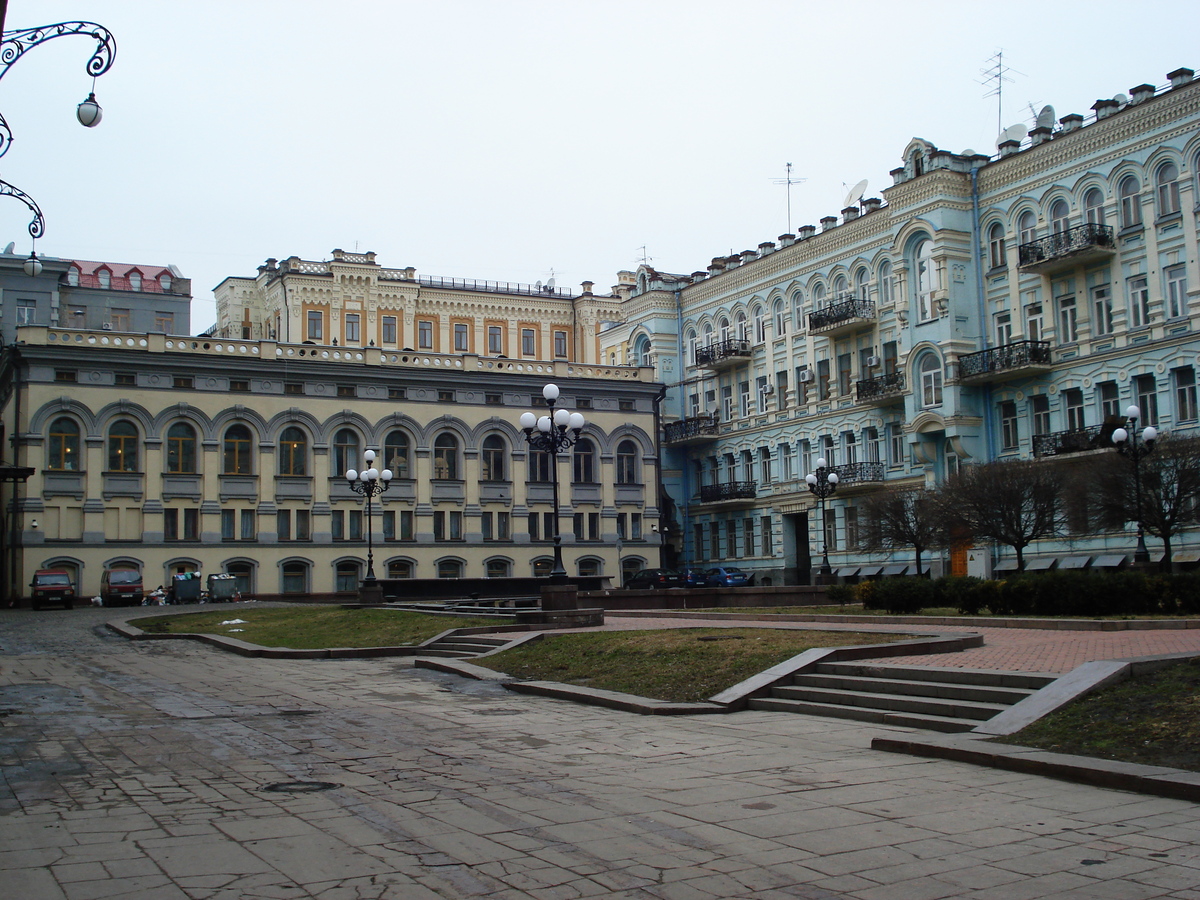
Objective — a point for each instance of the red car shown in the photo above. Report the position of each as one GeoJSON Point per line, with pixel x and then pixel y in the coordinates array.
{"type": "Point", "coordinates": [52, 586]}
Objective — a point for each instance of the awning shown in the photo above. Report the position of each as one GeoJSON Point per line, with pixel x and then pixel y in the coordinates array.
{"type": "Point", "coordinates": [1006, 565]}
{"type": "Point", "coordinates": [1040, 564]}
{"type": "Point", "coordinates": [846, 571]}
{"type": "Point", "coordinates": [868, 571]}
{"type": "Point", "coordinates": [1179, 556]}
{"type": "Point", "coordinates": [895, 570]}
{"type": "Point", "coordinates": [1073, 562]}
{"type": "Point", "coordinates": [1111, 561]}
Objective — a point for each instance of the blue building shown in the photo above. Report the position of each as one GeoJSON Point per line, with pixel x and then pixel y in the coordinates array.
{"type": "Point", "coordinates": [985, 307]}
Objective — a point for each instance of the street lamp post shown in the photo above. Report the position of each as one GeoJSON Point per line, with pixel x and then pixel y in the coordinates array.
{"type": "Point", "coordinates": [1126, 442]}
{"type": "Point", "coordinates": [823, 483]}
{"type": "Point", "coordinates": [370, 483]}
{"type": "Point", "coordinates": [13, 45]}
{"type": "Point", "coordinates": [552, 433]}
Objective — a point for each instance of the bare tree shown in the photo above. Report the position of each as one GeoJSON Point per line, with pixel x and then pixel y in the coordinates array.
{"type": "Point", "coordinates": [1170, 490]}
{"type": "Point", "coordinates": [1011, 502]}
{"type": "Point", "coordinates": [903, 517]}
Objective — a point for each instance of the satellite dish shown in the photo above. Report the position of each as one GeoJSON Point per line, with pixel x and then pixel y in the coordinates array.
{"type": "Point", "coordinates": [538, 285]}
{"type": "Point", "coordinates": [550, 284]}
{"type": "Point", "coordinates": [1016, 132]}
{"type": "Point", "coordinates": [856, 193]}
{"type": "Point", "coordinates": [1122, 99]}
{"type": "Point", "coordinates": [12, 246]}
{"type": "Point", "coordinates": [1046, 117]}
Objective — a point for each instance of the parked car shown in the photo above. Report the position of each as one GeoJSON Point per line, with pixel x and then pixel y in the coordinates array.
{"type": "Point", "coordinates": [696, 578]}
{"type": "Point", "coordinates": [52, 586]}
{"type": "Point", "coordinates": [654, 579]}
{"type": "Point", "coordinates": [728, 576]}
{"type": "Point", "coordinates": [121, 587]}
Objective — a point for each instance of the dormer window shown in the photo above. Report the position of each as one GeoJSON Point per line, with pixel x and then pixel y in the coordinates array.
{"type": "Point", "coordinates": [164, 281]}
{"type": "Point", "coordinates": [73, 276]}
{"type": "Point", "coordinates": [105, 278]}
{"type": "Point", "coordinates": [135, 280]}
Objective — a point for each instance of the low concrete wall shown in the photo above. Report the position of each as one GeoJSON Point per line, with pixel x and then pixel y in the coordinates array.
{"type": "Point", "coordinates": [706, 598]}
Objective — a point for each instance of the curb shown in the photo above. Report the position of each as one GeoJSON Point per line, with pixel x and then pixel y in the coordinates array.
{"type": "Point", "coordinates": [966, 621]}
{"type": "Point", "coordinates": [254, 651]}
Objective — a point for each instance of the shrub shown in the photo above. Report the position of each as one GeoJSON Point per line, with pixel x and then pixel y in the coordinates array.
{"type": "Point", "coordinates": [963, 593]}
{"type": "Point", "coordinates": [868, 594]}
{"type": "Point", "coordinates": [840, 594]}
{"type": "Point", "coordinates": [905, 596]}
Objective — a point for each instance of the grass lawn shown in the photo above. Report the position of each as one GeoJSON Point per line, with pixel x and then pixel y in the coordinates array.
{"type": "Point", "coordinates": [309, 627]}
{"type": "Point", "coordinates": [1152, 719]}
{"type": "Point", "coordinates": [678, 664]}
{"type": "Point", "coordinates": [854, 609]}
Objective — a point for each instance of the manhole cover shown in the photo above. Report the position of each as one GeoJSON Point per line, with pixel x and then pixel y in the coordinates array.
{"type": "Point", "coordinates": [498, 712]}
{"type": "Point", "coordinates": [301, 787]}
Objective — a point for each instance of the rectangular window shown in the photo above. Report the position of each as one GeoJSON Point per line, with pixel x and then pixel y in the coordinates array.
{"type": "Point", "coordinates": [1073, 404]}
{"type": "Point", "coordinates": [1145, 395]}
{"type": "Point", "coordinates": [424, 335]}
{"type": "Point", "coordinates": [1102, 311]}
{"type": "Point", "coordinates": [388, 333]}
{"type": "Point", "coordinates": [698, 542]}
{"type": "Point", "coordinates": [767, 535]}
{"type": "Point", "coordinates": [397, 393]}
{"type": "Point", "coordinates": [1185, 394]}
{"type": "Point", "coordinates": [124, 379]}
{"type": "Point", "coordinates": [1004, 331]}
{"type": "Point", "coordinates": [762, 384]}
{"type": "Point", "coordinates": [1034, 322]}
{"type": "Point", "coordinates": [895, 445]}
{"type": "Point", "coordinates": [732, 538]}
{"type": "Point", "coordinates": [346, 390]}
{"type": "Point", "coordinates": [170, 524]}
{"type": "Point", "coordinates": [587, 526]}
{"type": "Point", "coordinates": [1139, 301]}
{"type": "Point", "coordinates": [831, 540]}
{"type": "Point", "coordinates": [185, 382]}
{"type": "Point", "coordinates": [353, 330]}
{"type": "Point", "coordinates": [164, 322]}
{"type": "Point", "coordinates": [68, 376]}
{"type": "Point", "coordinates": [784, 451]}
{"type": "Point", "coordinates": [843, 365]}
{"type": "Point", "coordinates": [398, 526]}
{"type": "Point", "coordinates": [249, 525]}
{"type": "Point", "coordinates": [822, 379]}
{"type": "Point", "coordinates": [337, 525]}
{"type": "Point", "coordinates": [495, 339]}
{"type": "Point", "coordinates": [727, 403]}
{"type": "Point", "coordinates": [355, 525]}
{"type": "Point", "coordinates": [749, 536]}
{"type": "Point", "coordinates": [26, 313]}
{"type": "Point", "coordinates": [1176, 291]}
{"type": "Point", "coordinates": [803, 379]}
{"type": "Point", "coordinates": [1107, 391]}
{"type": "Point", "coordinates": [635, 527]}
{"type": "Point", "coordinates": [714, 538]}
{"type": "Point", "coordinates": [119, 319]}
{"type": "Point", "coordinates": [781, 390]}
{"type": "Point", "coordinates": [316, 325]}
{"type": "Point", "coordinates": [622, 531]}
{"type": "Point", "coordinates": [303, 525]}
{"type": "Point", "coordinates": [461, 338]}
{"type": "Point", "coordinates": [1068, 320]}
{"type": "Point", "coordinates": [1008, 425]}
{"type": "Point", "coordinates": [852, 538]}
{"type": "Point", "coordinates": [528, 342]}
{"type": "Point", "coordinates": [239, 386]}
{"type": "Point", "coordinates": [283, 524]}
{"type": "Point", "coordinates": [228, 523]}
{"type": "Point", "coordinates": [560, 345]}
{"type": "Point", "coordinates": [293, 387]}
{"type": "Point", "coordinates": [447, 525]}
{"type": "Point", "coordinates": [1039, 406]}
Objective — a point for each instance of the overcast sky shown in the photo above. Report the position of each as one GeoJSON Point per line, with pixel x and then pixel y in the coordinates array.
{"type": "Point", "coordinates": [517, 140]}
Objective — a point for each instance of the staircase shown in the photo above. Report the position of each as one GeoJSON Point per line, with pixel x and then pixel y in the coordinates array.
{"type": "Point", "coordinates": [462, 646]}
{"type": "Point", "coordinates": [936, 699]}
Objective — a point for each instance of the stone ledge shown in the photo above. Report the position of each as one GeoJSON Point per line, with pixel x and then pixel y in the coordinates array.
{"type": "Point", "coordinates": [612, 699]}
{"type": "Point", "coordinates": [972, 621]}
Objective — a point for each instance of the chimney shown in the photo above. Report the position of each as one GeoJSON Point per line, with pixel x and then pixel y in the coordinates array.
{"type": "Point", "coordinates": [897, 175]}
{"type": "Point", "coordinates": [786, 240]}
{"type": "Point", "coordinates": [749, 255]}
{"type": "Point", "coordinates": [587, 287]}
{"type": "Point", "coordinates": [1180, 77]}
{"type": "Point", "coordinates": [699, 276]}
{"type": "Point", "coordinates": [1105, 108]}
{"type": "Point", "coordinates": [828, 222]}
{"type": "Point", "coordinates": [1074, 121]}
{"type": "Point", "coordinates": [871, 204]}
{"type": "Point", "coordinates": [1009, 147]}
{"type": "Point", "coordinates": [850, 213]}
{"type": "Point", "coordinates": [766, 247]}
{"type": "Point", "coordinates": [717, 266]}
{"type": "Point", "coordinates": [807, 231]}
{"type": "Point", "coordinates": [1040, 135]}
{"type": "Point", "coordinates": [1141, 93]}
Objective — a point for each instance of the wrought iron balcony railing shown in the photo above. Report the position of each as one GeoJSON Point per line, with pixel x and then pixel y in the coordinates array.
{"type": "Point", "coordinates": [730, 490]}
{"type": "Point", "coordinates": [729, 351]}
{"type": "Point", "coordinates": [1005, 358]}
{"type": "Point", "coordinates": [881, 387]}
{"type": "Point", "coordinates": [847, 311]}
{"type": "Point", "coordinates": [1078, 440]}
{"type": "Point", "coordinates": [694, 429]}
{"type": "Point", "coordinates": [859, 473]}
{"type": "Point", "coordinates": [1082, 239]}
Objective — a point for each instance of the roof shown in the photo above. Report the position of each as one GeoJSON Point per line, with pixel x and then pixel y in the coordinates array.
{"type": "Point", "coordinates": [121, 270]}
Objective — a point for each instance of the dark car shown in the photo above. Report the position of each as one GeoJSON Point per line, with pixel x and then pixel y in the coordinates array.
{"type": "Point", "coordinates": [654, 579]}
{"type": "Point", "coordinates": [53, 587]}
{"type": "Point", "coordinates": [694, 577]}
{"type": "Point", "coordinates": [121, 587]}
{"type": "Point", "coordinates": [728, 576]}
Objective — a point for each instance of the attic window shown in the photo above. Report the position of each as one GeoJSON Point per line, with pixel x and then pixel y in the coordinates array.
{"type": "Point", "coordinates": [73, 276]}
{"type": "Point", "coordinates": [105, 277]}
{"type": "Point", "coordinates": [135, 280]}
{"type": "Point", "coordinates": [164, 281]}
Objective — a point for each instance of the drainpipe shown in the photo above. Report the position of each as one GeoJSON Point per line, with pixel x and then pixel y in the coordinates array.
{"type": "Point", "coordinates": [685, 484]}
{"type": "Point", "coordinates": [660, 492]}
{"type": "Point", "coordinates": [989, 429]}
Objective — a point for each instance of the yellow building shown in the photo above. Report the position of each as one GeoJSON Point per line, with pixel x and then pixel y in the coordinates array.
{"type": "Point", "coordinates": [171, 454]}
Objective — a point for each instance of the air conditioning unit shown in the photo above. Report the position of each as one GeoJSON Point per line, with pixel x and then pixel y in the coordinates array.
{"type": "Point", "coordinates": [107, 326]}
{"type": "Point", "coordinates": [806, 376]}
{"type": "Point", "coordinates": [768, 389]}
{"type": "Point", "coordinates": [873, 362]}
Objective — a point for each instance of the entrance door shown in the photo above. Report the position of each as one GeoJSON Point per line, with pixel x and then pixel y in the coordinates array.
{"type": "Point", "coordinates": [797, 549]}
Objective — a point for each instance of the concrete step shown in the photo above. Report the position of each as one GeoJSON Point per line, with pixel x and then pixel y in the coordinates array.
{"type": "Point", "coordinates": [944, 674]}
{"type": "Point", "coordinates": [944, 724]}
{"type": "Point", "coordinates": [434, 650]}
{"type": "Point", "coordinates": [915, 688]}
{"type": "Point", "coordinates": [931, 706]}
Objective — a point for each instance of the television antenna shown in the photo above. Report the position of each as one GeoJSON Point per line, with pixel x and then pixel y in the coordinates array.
{"type": "Point", "coordinates": [996, 74]}
{"type": "Point", "coordinates": [645, 259]}
{"type": "Point", "coordinates": [789, 181]}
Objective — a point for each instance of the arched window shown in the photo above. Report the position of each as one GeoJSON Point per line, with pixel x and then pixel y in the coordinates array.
{"type": "Point", "coordinates": [630, 566]}
{"type": "Point", "coordinates": [1060, 217]}
{"type": "Point", "coordinates": [743, 327]}
{"type": "Point", "coordinates": [181, 449]}
{"type": "Point", "coordinates": [445, 458]}
{"type": "Point", "coordinates": [760, 325]}
{"type": "Point", "coordinates": [495, 452]}
{"type": "Point", "coordinates": [931, 381]}
{"type": "Point", "coordinates": [862, 291]}
{"type": "Point", "coordinates": [243, 577]}
{"type": "Point", "coordinates": [293, 452]}
{"type": "Point", "coordinates": [627, 463]}
{"type": "Point", "coordinates": [798, 309]}
{"type": "Point", "coordinates": [236, 452]}
{"type": "Point", "coordinates": [885, 283]}
{"type": "Point", "coordinates": [1166, 180]}
{"type": "Point", "coordinates": [1130, 193]}
{"type": "Point", "coordinates": [294, 577]}
{"type": "Point", "coordinates": [542, 567]}
{"type": "Point", "coordinates": [724, 326]}
{"type": "Point", "coordinates": [346, 576]}
{"type": "Point", "coordinates": [395, 452]}
{"type": "Point", "coordinates": [997, 256]}
{"type": "Point", "coordinates": [589, 566]}
{"type": "Point", "coordinates": [122, 447]}
{"type": "Point", "coordinates": [105, 278]}
{"type": "Point", "coordinates": [498, 568]}
{"type": "Point", "coordinates": [164, 281]}
{"type": "Point", "coordinates": [841, 287]}
{"type": "Point", "coordinates": [818, 296]}
{"type": "Point", "coordinates": [691, 345]}
{"type": "Point", "coordinates": [135, 280]}
{"type": "Point", "coordinates": [781, 318]}
{"type": "Point", "coordinates": [449, 568]}
{"type": "Point", "coordinates": [346, 454]}
{"type": "Point", "coordinates": [1093, 206]}
{"type": "Point", "coordinates": [64, 445]}
{"type": "Point", "coordinates": [73, 276]}
{"type": "Point", "coordinates": [643, 353]}
{"type": "Point", "coordinates": [1027, 227]}
{"type": "Point", "coordinates": [584, 460]}
{"type": "Point", "coordinates": [399, 568]}
{"type": "Point", "coordinates": [926, 281]}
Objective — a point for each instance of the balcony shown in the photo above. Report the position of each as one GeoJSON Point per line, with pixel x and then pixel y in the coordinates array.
{"type": "Point", "coordinates": [1080, 245]}
{"type": "Point", "coordinates": [723, 354]}
{"type": "Point", "coordinates": [1078, 440]}
{"type": "Point", "coordinates": [729, 491]}
{"type": "Point", "coordinates": [844, 316]}
{"type": "Point", "coordinates": [696, 430]}
{"type": "Point", "coordinates": [883, 390]}
{"type": "Point", "coordinates": [858, 475]}
{"type": "Point", "coordinates": [1006, 361]}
